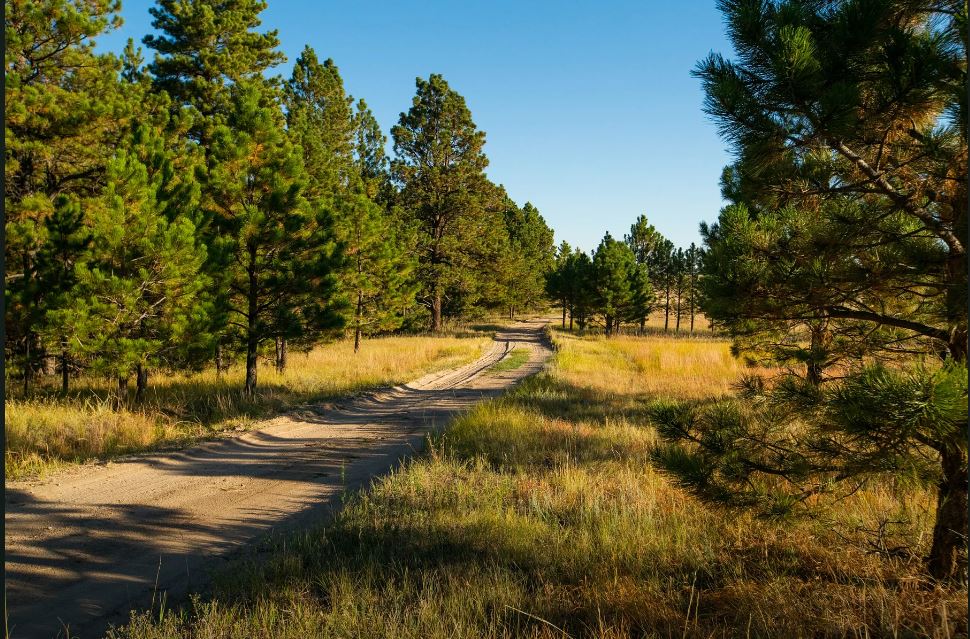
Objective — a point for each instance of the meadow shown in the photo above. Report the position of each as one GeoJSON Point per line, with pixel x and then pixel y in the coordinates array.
{"type": "Point", "coordinates": [48, 431]}
{"type": "Point", "coordinates": [541, 515]}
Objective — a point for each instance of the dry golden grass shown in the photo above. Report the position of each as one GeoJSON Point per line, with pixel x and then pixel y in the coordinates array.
{"type": "Point", "coordinates": [541, 515]}
{"type": "Point", "coordinates": [661, 367]}
{"type": "Point", "coordinates": [46, 432]}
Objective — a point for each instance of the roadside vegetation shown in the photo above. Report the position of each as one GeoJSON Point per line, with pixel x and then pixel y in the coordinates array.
{"type": "Point", "coordinates": [542, 515]}
{"type": "Point", "coordinates": [49, 430]}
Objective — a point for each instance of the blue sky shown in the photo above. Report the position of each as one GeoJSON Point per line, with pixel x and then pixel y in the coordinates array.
{"type": "Point", "coordinates": [589, 107]}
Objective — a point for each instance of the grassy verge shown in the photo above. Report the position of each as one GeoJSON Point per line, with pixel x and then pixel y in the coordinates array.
{"type": "Point", "coordinates": [540, 515]}
{"type": "Point", "coordinates": [517, 357]}
{"type": "Point", "coordinates": [49, 432]}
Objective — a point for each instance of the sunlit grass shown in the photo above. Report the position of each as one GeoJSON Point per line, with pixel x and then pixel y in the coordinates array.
{"type": "Point", "coordinates": [516, 358]}
{"type": "Point", "coordinates": [46, 432]}
{"type": "Point", "coordinates": [540, 515]}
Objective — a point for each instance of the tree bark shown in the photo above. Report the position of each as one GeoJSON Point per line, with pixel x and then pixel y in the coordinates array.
{"type": "Point", "coordinates": [358, 315]}
{"type": "Point", "coordinates": [436, 324]}
{"type": "Point", "coordinates": [280, 355]}
{"type": "Point", "coordinates": [948, 556]}
{"type": "Point", "coordinates": [679, 290]}
{"type": "Point", "coordinates": [570, 319]}
{"type": "Point", "coordinates": [141, 382]}
{"type": "Point", "coordinates": [65, 368]}
{"type": "Point", "coordinates": [818, 349]}
{"type": "Point", "coordinates": [122, 390]}
{"type": "Point", "coordinates": [609, 325]}
{"type": "Point", "coordinates": [219, 361]}
{"type": "Point", "coordinates": [667, 307]}
{"type": "Point", "coordinates": [252, 338]}
{"type": "Point", "coordinates": [564, 317]}
{"type": "Point", "coordinates": [693, 285]}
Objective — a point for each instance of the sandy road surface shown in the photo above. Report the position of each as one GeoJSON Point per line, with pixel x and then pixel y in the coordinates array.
{"type": "Point", "coordinates": [84, 548]}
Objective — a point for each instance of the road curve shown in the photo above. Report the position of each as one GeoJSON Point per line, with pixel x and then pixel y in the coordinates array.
{"type": "Point", "coordinates": [86, 547]}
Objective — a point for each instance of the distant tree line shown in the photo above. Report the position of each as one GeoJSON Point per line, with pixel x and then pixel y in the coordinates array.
{"type": "Point", "coordinates": [195, 210]}
{"type": "Point", "coordinates": [841, 258]}
{"type": "Point", "coordinates": [625, 282]}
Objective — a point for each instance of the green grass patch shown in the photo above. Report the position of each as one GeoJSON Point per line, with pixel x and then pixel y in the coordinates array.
{"type": "Point", "coordinates": [516, 358]}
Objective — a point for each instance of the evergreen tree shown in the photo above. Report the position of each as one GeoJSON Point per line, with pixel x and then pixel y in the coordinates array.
{"type": "Point", "coordinates": [65, 112]}
{"type": "Point", "coordinates": [662, 273]}
{"type": "Point", "coordinates": [369, 153]}
{"type": "Point", "coordinates": [377, 276]}
{"type": "Point", "coordinates": [140, 292]}
{"type": "Point", "coordinates": [642, 240]}
{"type": "Point", "coordinates": [279, 281]}
{"type": "Point", "coordinates": [528, 259]}
{"type": "Point", "coordinates": [849, 121]}
{"type": "Point", "coordinates": [320, 119]}
{"type": "Point", "coordinates": [612, 271]}
{"type": "Point", "coordinates": [440, 168]}
{"type": "Point", "coordinates": [204, 48]}
{"type": "Point", "coordinates": [582, 291]}
{"type": "Point", "coordinates": [557, 279]}
{"type": "Point", "coordinates": [641, 296]}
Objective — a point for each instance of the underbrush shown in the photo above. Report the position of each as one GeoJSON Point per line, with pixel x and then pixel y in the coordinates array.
{"type": "Point", "coordinates": [48, 431]}
{"type": "Point", "coordinates": [540, 515]}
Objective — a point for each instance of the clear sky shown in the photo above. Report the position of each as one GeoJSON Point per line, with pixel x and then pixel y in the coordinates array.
{"type": "Point", "coordinates": [589, 107]}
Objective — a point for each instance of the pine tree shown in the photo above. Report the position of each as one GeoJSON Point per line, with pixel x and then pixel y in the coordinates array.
{"type": "Point", "coordinates": [205, 47]}
{"type": "Point", "coordinates": [849, 122]}
{"type": "Point", "coordinates": [320, 119]}
{"type": "Point", "coordinates": [528, 259]}
{"type": "Point", "coordinates": [661, 268]}
{"type": "Point", "coordinates": [644, 240]}
{"type": "Point", "coordinates": [370, 155]}
{"type": "Point", "coordinates": [582, 291]}
{"type": "Point", "coordinates": [200, 78]}
{"type": "Point", "coordinates": [557, 279]}
{"type": "Point", "coordinates": [65, 112]}
{"type": "Point", "coordinates": [279, 282]}
{"type": "Point", "coordinates": [377, 275]}
{"type": "Point", "coordinates": [613, 266]}
{"type": "Point", "coordinates": [641, 296]}
{"type": "Point", "coordinates": [440, 168]}
{"type": "Point", "coordinates": [140, 292]}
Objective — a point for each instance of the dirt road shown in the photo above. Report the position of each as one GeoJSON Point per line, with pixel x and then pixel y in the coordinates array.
{"type": "Point", "coordinates": [85, 547]}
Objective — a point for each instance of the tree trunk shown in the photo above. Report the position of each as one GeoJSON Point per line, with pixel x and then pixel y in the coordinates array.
{"type": "Point", "coordinates": [818, 351]}
{"type": "Point", "coordinates": [65, 368]}
{"type": "Point", "coordinates": [667, 308]}
{"type": "Point", "coordinates": [564, 317]}
{"type": "Point", "coordinates": [570, 318]}
{"type": "Point", "coordinates": [122, 390]}
{"type": "Point", "coordinates": [141, 382]}
{"type": "Point", "coordinates": [693, 285]}
{"type": "Point", "coordinates": [219, 362]}
{"type": "Point", "coordinates": [357, 318]}
{"type": "Point", "coordinates": [948, 556]}
{"type": "Point", "coordinates": [252, 337]}
{"type": "Point", "coordinates": [643, 324]}
{"type": "Point", "coordinates": [436, 324]}
{"type": "Point", "coordinates": [28, 369]}
{"type": "Point", "coordinates": [957, 345]}
{"type": "Point", "coordinates": [511, 313]}
{"type": "Point", "coordinates": [280, 355]}
{"type": "Point", "coordinates": [678, 310]}
{"type": "Point", "coordinates": [609, 325]}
